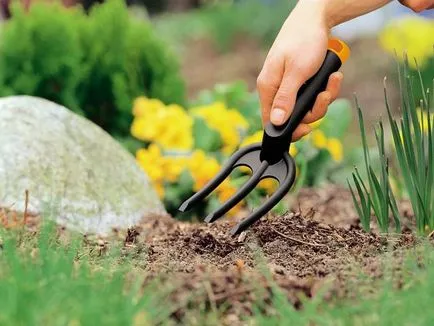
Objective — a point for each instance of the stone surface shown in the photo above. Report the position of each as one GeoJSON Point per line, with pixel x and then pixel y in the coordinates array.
{"type": "Point", "coordinates": [74, 171]}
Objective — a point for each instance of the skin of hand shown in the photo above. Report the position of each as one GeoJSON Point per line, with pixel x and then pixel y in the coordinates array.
{"type": "Point", "coordinates": [418, 5]}
{"type": "Point", "coordinates": [298, 52]}
{"type": "Point", "coordinates": [295, 56]}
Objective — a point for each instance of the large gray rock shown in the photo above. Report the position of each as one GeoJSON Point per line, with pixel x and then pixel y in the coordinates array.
{"type": "Point", "coordinates": [74, 171]}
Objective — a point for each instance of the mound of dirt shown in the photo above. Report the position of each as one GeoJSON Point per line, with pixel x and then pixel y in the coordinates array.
{"type": "Point", "coordinates": [299, 246]}
{"type": "Point", "coordinates": [299, 252]}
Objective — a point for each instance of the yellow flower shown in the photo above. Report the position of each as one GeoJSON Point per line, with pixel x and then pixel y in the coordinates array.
{"type": "Point", "coordinates": [293, 150]}
{"type": "Point", "coordinates": [143, 130]}
{"type": "Point", "coordinates": [202, 169]}
{"type": "Point", "coordinates": [414, 35]}
{"type": "Point", "coordinates": [173, 166]}
{"type": "Point", "coordinates": [269, 185]}
{"type": "Point", "coordinates": [151, 161]}
{"type": "Point", "coordinates": [229, 123]}
{"type": "Point", "coordinates": [334, 146]}
{"type": "Point", "coordinates": [319, 140]}
{"type": "Point", "coordinates": [169, 126]}
{"type": "Point", "coordinates": [255, 138]}
{"type": "Point", "coordinates": [143, 106]}
{"type": "Point", "coordinates": [159, 188]}
{"type": "Point", "coordinates": [225, 191]}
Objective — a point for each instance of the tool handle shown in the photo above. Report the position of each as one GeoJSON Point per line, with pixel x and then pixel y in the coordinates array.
{"type": "Point", "coordinates": [277, 139]}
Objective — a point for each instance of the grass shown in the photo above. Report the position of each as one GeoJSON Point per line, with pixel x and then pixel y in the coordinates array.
{"type": "Point", "coordinates": [45, 280]}
{"type": "Point", "coordinates": [413, 137]}
{"type": "Point", "coordinates": [374, 194]}
{"type": "Point", "coordinates": [412, 152]}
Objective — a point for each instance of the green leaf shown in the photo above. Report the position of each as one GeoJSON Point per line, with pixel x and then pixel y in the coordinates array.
{"type": "Point", "coordinates": [317, 169]}
{"type": "Point", "coordinates": [395, 212]}
{"type": "Point", "coordinates": [185, 181]}
{"type": "Point", "coordinates": [176, 193]}
{"type": "Point", "coordinates": [380, 203]}
{"type": "Point", "coordinates": [205, 138]}
{"type": "Point", "coordinates": [364, 209]}
{"type": "Point", "coordinates": [338, 119]}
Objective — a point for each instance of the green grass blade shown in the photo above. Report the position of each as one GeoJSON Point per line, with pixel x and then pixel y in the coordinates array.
{"type": "Point", "coordinates": [396, 215]}
{"type": "Point", "coordinates": [379, 203]}
{"type": "Point", "coordinates": [365, 218]}
{"type": "Point", "coordinates": [361, 180]}
{"type": "Point", "coordinates": [363, 134]}
{"type": "Point", "coordinates": [422, 86]}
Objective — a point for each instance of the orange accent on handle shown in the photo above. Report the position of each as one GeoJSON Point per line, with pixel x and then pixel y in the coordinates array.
{"type": "Point", "coordinates": [341, 49]}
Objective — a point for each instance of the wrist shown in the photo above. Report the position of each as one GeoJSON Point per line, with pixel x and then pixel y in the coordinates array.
{"type": "Point", "coordinates": [319, 10]}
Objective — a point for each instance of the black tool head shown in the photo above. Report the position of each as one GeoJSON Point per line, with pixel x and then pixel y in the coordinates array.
{"type": "Point", "coordinates": [282, 171]}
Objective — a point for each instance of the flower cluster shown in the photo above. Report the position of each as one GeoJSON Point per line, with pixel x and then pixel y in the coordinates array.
{"type": "Point", "coordinates": [413, 35]}
{"type": "Point", "coordinates": [168, 126]}
{"type": "Point", "coordinates": [332, 145]}
{"type": "Point", "coordinates": [229, 123]}
{"type": "Point", "coordinates": [166, 169]}
{"type": "Point", "coordinates": [174, 147]}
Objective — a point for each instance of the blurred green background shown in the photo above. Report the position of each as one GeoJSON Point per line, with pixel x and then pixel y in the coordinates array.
{"type": "Point", "coordinates": [125, 65]}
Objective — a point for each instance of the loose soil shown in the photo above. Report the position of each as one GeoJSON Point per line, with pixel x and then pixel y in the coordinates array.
{"type": "Point", "coordinates": [301, 252]}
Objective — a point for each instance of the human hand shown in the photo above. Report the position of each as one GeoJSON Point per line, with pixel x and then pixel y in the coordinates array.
{"type": "Point", "coordinates": [296, 55]}
{"type": "Point", "coordinates": [418, 5]}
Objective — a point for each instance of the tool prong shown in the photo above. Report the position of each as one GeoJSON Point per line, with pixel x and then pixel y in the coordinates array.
{"type": "Point", "coordinates": [239, 195]}
{"type": "Point", "coordinates": [218, 179]}
{"type": "Point", "coordinates": [283, 189]}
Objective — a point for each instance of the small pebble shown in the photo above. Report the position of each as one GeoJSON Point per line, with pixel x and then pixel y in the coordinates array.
{"type": "Point", "coordinates": [324, 226]}
{"type": "Point", "coordinates": [242, 236]}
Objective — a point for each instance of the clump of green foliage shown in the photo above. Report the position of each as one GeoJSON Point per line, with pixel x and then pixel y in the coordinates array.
{"type": "Point", "coordinates": [376, 194]}
{"type": "Point", "coordinates": [412, 150]}
{"type": "Point", "coordinates": [95, 64]}
{"type": "Point", "coordinates": [47, 280]}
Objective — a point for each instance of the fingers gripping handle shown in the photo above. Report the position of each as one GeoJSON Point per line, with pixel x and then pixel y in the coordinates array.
{"type": "Point", "coordinates": [277, 139]}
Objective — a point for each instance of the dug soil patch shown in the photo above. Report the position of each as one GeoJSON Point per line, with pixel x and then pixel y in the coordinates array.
{"type": "Point", "coordinates": [299, 251]}
{"type": "Point", "coordinates": [299, 246]}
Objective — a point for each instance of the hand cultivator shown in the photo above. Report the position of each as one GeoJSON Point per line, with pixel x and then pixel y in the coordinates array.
{"type": "Point", "coordinates": [271, 159]}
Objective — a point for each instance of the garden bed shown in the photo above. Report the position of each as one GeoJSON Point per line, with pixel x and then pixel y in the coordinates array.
{"type": "Point", "coordinates": [318, 251]}
{"type": "Point", "coordinates": [302, 253]}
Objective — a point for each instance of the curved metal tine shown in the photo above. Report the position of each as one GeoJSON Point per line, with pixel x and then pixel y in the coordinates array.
{"type": "Point", "coordinates": [218, 179]}
{"type": "Point", "coordinates": [283, 189]}
{"type": "Point", "coordinates": [239, 195]}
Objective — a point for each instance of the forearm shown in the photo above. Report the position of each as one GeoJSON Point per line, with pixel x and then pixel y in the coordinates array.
{"type": "Point", "coordinates": [335, 12]}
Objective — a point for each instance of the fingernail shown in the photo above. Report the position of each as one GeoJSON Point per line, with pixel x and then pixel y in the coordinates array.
{"type": "Point", "coordinates": [277, 116]}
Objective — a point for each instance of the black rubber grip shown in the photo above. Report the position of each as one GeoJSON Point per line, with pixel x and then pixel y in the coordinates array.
{"type": "Point", "coordinates": [277, 139]}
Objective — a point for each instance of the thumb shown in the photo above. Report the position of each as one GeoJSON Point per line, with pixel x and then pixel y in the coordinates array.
{"type": "Point", "coordinates": [284, 100]}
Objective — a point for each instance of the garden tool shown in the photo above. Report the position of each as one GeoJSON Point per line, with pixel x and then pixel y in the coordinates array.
{"type": "Point", "coordinates": [271, 159]}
